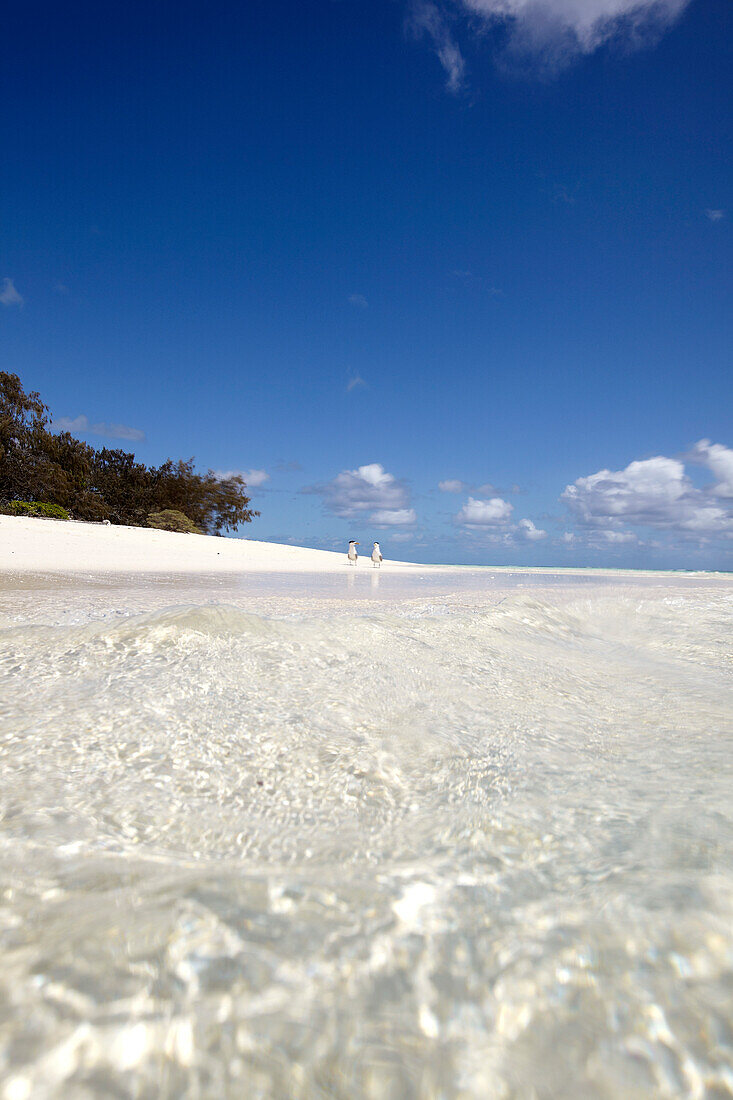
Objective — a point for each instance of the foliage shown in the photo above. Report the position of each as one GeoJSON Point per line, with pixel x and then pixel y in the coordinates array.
{"type": "Point", "coordinates": [35, 508]}
{"type": "Point", "coordinates": [37, 464]}
{"type": "Point", "coordinates": [172, 520]}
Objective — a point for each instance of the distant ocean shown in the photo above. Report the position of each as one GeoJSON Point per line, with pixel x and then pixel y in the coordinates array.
{"type": "Point", "coordinates": [473, 839]}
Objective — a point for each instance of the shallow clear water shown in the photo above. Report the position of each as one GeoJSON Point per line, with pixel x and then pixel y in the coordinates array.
{"type": "Point", "coordinates": [263, 843]}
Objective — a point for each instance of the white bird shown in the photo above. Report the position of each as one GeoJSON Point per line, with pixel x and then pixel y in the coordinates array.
{"type": "Point", "coordinates": [352, 554]}
{"type": "Point", "coordinates": [376, 556]}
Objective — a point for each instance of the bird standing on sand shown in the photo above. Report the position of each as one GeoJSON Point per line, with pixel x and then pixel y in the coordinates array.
{"type": "Point", "coordinates": [376, 556]}
{"type": "Point", "coordinates": [352, 554]}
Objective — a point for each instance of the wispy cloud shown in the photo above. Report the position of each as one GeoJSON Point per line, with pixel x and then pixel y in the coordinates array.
{"type": "Point", "coordinates": [451, 485]}
{"type": "Point", "coordinates": [544, 35]}
{"type": "Point", "coordinates": [9, 296]}
{"type": "Point", "coordinates": [657, 493]}
{"type": "Point", "coordinates": [429, 20]}
{"type": "Point", "coordinates": [715, 215]}
{"type": "Point", "coordinates": [253, 479]}
{"type": "Point", "coordinates": [455, 485]}
{"type": "Point", "coordinates": [368, 492]}
{"type": "Point", "coordinates": [355, 382]}
{"type": "Point", "coordinates": [358, 300]}
{"type": "Point", "coordinates": [467, 279]}
{"type": "Point", "coordinates": [80, 425]}
{"type": "Point", "coordinates": [620, 538]}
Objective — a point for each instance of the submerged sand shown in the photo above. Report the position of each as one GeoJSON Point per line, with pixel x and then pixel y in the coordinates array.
{"type": "Point", "coordinates": [398, 834]}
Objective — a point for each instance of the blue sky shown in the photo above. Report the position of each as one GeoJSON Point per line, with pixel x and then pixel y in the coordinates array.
{"type": "Point", "coordinates": [451, 274]}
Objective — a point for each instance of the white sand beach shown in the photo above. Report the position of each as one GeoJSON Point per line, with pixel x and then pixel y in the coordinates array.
{"type": "Point", "coordinates": [41, 545]}
{"type": "Point", "coordinates": [52, 546]}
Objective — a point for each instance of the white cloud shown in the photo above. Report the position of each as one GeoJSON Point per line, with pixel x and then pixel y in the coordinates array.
{"type": "Point", "coordinates": [81, 425]}
{"type": "Point", "coordinates": [657, 493]}
{"type": "Point", "coordinates": [528, 531]}
{"type": "Point", "coordinates": [397, 517]}
{"type": "Point", "coordinates": [719, 460]}
{"type": "Point", "coordinates": [643, 492]}
{"type": "Point", "coordinates": [9, 296]}
{"type": "Point", "coordinates": [548, 32]}
{"type": "Point", "coordinates": [491, 521]}
{"type": "Point", "coordinates": [715, 215]}
{"type": "Point", "coordinates": [589, 22]}
{"type": "Point", "coordinates": [358, 300]}
{"type": "Point", "coordinates": [369, 491]}
{"type": "Point", "coordinates": [451, 485]}
{"type": "Point", "coordinates": [252, 478]}
{"type": "Point", "coordinates": [484, 513]}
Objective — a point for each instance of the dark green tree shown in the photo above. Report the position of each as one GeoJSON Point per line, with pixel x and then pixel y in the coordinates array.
{"type": "Point", "coordinates": [39, 465]}
{"type": "Point", "coordinates": [126, 486]}
{"type": "Point", "coordinates": [23, 418]}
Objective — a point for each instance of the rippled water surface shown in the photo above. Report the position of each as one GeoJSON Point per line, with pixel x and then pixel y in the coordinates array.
{"type": "Point", "coordinates": [470, 840]}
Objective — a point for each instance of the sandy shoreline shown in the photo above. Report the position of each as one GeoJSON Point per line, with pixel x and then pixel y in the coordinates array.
{"type": "Point", "coordinates": [39, 545]}
{"type": "Point", "coordinates": [46, 546]}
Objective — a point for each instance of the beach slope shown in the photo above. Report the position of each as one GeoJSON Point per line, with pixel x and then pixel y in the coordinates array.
{"type": "Point", "coordinates": [43, 546]}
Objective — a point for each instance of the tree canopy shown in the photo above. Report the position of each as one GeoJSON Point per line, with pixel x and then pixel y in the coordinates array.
{"type": "Point", "coordinates": [37, 464]}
